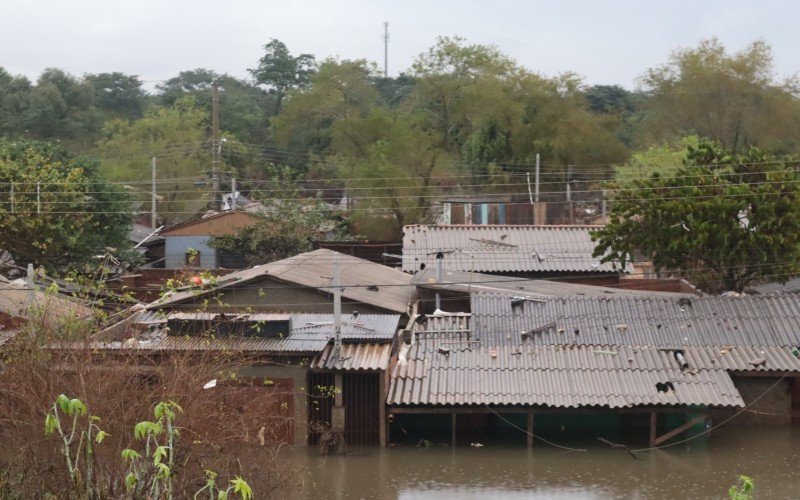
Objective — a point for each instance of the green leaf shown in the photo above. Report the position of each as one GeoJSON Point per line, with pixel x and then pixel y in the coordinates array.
{"type": "Point", "coordinates": [222, 495]}
{"type": "Point", "coordinates": [162, 471]}
{"type": "Point", "coordinates": [130, 481]}
{"type": "Point", "coordinates": [130, 455]}
{"type": "Point", "coordinates": [50, 424]}
{"type": "Point", "coordinates": [76, 407]}
{"type": "Point", "coordinates": [63, 403]}
{"type": "Point", "coordinates": [160, 453]}
{"type": "Point", "coordinates": [101, 436]}
{"type": "Point", "coordinates": [241, 487]}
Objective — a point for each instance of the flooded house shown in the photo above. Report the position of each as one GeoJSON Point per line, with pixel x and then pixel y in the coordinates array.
{"type": "Point", "coordinates": [327, 368]}
{"type": "Point", "coordinates": [519, 366]}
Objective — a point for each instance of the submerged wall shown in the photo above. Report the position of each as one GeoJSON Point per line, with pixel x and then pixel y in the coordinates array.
{"type": "Point", "coordinates": [768, 401]}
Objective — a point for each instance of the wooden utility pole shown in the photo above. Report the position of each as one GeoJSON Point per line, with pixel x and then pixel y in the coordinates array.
{"type": "Point", "coordinates": [216, 146]}
{"type": "Point", "coordinates": [153, 197]}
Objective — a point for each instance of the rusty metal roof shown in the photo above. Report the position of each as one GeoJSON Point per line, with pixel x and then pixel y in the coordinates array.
{"type": "Point", "coordinates": [579, 376]}
{"type": "Point", "coordinates": [361, 280]}
{"type": "Point", "coordinates": [354, 357]}
{"type": "Point", "coordinates": [503, 248]}
{"type": "Point", "coordinates": [639, 321]}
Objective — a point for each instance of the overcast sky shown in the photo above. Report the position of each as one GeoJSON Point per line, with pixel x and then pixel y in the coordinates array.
{"type": "Point", "coordinates": [604, 41]}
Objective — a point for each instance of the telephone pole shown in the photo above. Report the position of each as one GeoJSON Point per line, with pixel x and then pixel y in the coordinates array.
{"type": "Point", "coordinates": [153, 196]}
{"type": "Point", "coordinates": [216, 146]}
{"type": "Point", "coordinates": [386, 49]}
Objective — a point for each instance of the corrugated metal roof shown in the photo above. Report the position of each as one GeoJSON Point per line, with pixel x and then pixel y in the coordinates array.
{"type": "Point", "coordinates": [791, 286]}
{"type": "Point", "coordinates": [468, 282]}
{"type": "Point", "coordinates": [361, 280]}
{"type": "Point", "coordinates": [592, 351]}
{"type": "Point", "coordinates": [556, 377]}
{"type": "Point", "coordinates": [51, 309]}
{"type": "Point", "coordinates": [309, 333]}
{"type": "Point", "coordinates": [502, 248]}
{"type": "Point", "coordinates": [354, 357]}
{"type": "Point", "coordinates": [638, 321]}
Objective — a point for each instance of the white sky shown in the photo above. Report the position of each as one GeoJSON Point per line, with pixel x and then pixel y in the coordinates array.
{"type": "Point", "coordinates": [606, 42]}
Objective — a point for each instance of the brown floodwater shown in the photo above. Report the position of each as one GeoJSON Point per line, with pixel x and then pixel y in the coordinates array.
{"type": "Point", "coordinates": [702, 468]}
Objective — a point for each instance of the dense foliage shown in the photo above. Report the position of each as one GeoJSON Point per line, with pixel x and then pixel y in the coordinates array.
{"type": "Point", "coordinates": [722, 220]}
{"type": "Point", "coordinates": [463, 119]}
{"type": "Point", "coordinates": [60, 213]}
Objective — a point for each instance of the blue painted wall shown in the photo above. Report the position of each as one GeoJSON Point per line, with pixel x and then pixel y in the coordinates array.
{"type": "Point", "coordinates": [176, 246]}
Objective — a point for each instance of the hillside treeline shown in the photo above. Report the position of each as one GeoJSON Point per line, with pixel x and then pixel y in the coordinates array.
{"type": "Point", "coordinates": [463, 117]}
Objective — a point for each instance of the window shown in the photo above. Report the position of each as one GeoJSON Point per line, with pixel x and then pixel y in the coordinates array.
{"type": "Point", "coordinates": [192, 257]}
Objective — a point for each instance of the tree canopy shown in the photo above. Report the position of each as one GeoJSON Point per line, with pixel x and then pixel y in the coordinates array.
{"type": "Point", "coordinates": [59, 214]}
{"type": "Point", "coordinates": [731, 98]}
{"type": "Point", "coordinates": [722, 220]}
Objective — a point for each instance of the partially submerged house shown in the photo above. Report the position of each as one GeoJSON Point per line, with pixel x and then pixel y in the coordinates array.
{"type": "Point", "coordinates": [280, 315]}
{"type": "Point", "coordinates": [522, 251]}
{"type": "Point", "coordinates": [320, 383]}
{"type": "Point", "coordinates": [518, 365]}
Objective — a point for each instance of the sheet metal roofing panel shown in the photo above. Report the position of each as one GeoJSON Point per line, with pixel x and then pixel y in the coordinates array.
{"type": "Point", "coordinates": [502, 248]}
{"type": "Point", "coordinates": [743, 358]}
{"type": "Point", "coordinates": [469, 282]}
{"type": "Point", "coordinates": [367, 327]}
{"type": "Point", "coordinates": [791, 286]}
{"type": "Point", "coordinates": [354, 357]}
{"type": "Point", "coordinates": [569, 388]}
{"type": "Point", "coordinates": [361, 280]}
{"type": "Point", "coordinates": [704, 321]}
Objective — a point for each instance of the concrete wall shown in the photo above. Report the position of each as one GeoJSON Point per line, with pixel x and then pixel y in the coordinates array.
{"type": "Point", "coordinates": [176, 246]}
{"type": "Point", "coordinates": [298, 375]}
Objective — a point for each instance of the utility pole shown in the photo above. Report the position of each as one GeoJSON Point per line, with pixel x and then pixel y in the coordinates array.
{"type": "Point", "coordinates": [337, 308]}
{"type": "Point", "coordinates": [386, 49]}
{"type": "Point", "coordinates": [153, 196]}
{"type": "Point", "coordinates": [216, 146]}
{"type": "Point", "coordinates": [538, 165]}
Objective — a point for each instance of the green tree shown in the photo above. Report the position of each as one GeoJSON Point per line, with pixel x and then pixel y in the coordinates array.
{"type": "Point", "coordinates": [244, 108]}
{"type": "Point", "coordinates": [62, 107]}
{"type": "Point", "coordinates": [14, 102]}
{"type": "Point", "coordinates": [722, 221]}
{"type": "Point", "coordinates": [731, 98]}
{"type": "Point", "coordinates": [118, 95]}
{"type": "Point", "coordinates": [280, 71]}
{"type": "Point", "coordinates": [72, 216]}
{"type": "Point", "coordinates": [176, 136]}
{"type": "Point", "coordinates": [339, 91]}
{"type": "Point", "coordinates": [288, 223]}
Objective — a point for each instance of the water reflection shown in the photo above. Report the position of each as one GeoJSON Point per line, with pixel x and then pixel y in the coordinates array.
{"type": "Point", "coordinates": [700, 469]}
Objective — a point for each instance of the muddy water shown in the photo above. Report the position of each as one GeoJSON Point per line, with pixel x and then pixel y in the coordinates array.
{"type": "Point", "coordinates": [700, 469]}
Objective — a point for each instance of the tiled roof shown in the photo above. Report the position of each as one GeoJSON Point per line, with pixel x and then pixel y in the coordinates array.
{"type": "Point", "coordinates": [361, 280]}
{"type": "Point", "coordinates": [503, 248]}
